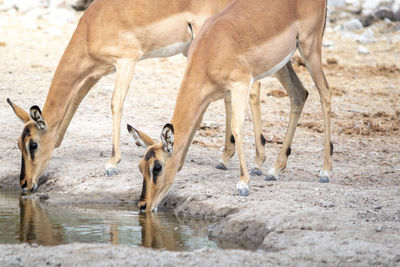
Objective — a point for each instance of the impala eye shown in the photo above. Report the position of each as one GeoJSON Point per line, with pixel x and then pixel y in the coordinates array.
{"type": "Point", "coordinates": [33, 145]}
{"type": "Point", "coordinates": [157, 169]}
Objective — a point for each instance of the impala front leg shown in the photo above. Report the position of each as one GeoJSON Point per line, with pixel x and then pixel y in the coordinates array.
{"type": "Point", "coordinates": [240, 98]}
{"type": "Point", "coordinates": [125, 69]}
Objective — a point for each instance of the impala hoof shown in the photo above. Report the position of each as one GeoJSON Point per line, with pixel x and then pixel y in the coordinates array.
{"type": "Point", "coordinates": [243, 189]}
{"type": "Point", "coordinates": [221, 166]}
{"type": "Point", "coordinates": [270, 177]}
{"type": "Point", "coordinates": [324, 179]}
{"type": "Point", "coordinates": [112, 171]}
{"type": "Point", "coordinates": [256, 172]}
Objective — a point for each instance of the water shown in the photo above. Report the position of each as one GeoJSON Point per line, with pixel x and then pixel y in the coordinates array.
{"type": "Point", "coordinates": [24, 219]}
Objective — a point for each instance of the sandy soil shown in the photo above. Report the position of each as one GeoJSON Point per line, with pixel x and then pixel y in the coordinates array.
{"type": "Point", "coordinates": [353, 220]}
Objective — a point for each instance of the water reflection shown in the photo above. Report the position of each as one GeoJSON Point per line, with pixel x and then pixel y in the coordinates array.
{"type": "Point", "coordinates": [35, 225]}
{"type": "Point", "coordinates": [27, 219]}
{"type": "Point", "coordinates": [157, 235]}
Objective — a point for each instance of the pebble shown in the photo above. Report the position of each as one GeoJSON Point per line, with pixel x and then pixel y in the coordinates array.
{"type": "Point", "coordinates": [363, 50]}
{"type": "Point", "coordinates": [378, 228]}
{"type": "Point", "coordinates": [396, 6]}
{"type": "Point", "coordinates": [369, 6]}
{"type": "Point", "coordinates": [328, 43]}
{"type": "Point", "coordinates": [340, 3]}
{"type": "Point", "coordinates": [327, 204]}
{"type": "Point", "coordinates": [351, 25]}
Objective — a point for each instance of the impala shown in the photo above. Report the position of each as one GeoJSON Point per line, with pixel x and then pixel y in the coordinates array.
{"type": "Point", "coordinates": [247, 41]}
{"type": "Point", "coordinates": [110, 36]}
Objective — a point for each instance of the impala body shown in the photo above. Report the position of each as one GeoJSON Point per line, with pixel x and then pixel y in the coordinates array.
{"type": "Point", "coordinates": [247, 41]}
{"type": "Point", "coordinates": [112, 35]}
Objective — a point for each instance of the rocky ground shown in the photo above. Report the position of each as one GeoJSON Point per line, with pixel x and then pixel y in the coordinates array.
{"type": "Point", "coordinates": [354, 220]}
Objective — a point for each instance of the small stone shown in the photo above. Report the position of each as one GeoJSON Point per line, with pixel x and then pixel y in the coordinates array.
{"type": "Point", "coordinates": [384, 14]}
{"type": "Point", "coordinates": [328, 43]}
{"type": "Point", "coordinates": [327, 204]}
{"type": "Point", "coordinates": [396, 259]}
{"type": "Point", "coordinates": [351, 25]}
{"type": "Point", "coordinates": [339, 3]}
{"type": "Point", "coordinates": [363, 50]}
{"type": "Point", "coordinates": [378, 228]}
{"type": "Point", "coordinates": [43, 196]}
{"type": "Point", "coordinates": [367, 20]}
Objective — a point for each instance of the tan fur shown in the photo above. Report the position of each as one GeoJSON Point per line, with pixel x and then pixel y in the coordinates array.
{"type": "Point", "coordinates": [158, 235]}
{"type": "Point", "coordinates": [112, 36]}
{"type": "Point", "coordinates": [247, 39]}
{"type": "Point", "coordinates": [35, 223]}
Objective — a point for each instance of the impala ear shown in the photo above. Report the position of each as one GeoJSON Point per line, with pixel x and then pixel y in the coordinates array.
{"type": "Point", "coordinates": [37, 117]}
{"type": "Point", "coordinates": [167, 138]}
{"type": "Point", "coordinates": [141, 139]}
{"type": "Point", "coordinates": [20, 112]}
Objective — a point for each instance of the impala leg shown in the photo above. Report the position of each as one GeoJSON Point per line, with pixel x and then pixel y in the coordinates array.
{"type": "Point", "coordinates": [258, 136]}
{"type": "Point", "coordinates": [311, 52]}
{"type": "Point", "coordinates": [229, 148]}
{"type": "Point", "coordinates": [298, 96]}
{"type": "Point", "coordinates": [240, 98]}
{"type": "Point", "coordinates": [125, 69]}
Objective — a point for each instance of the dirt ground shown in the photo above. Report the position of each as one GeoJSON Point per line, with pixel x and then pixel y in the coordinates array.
{"type": "Point", "coordinates": [354, 220]}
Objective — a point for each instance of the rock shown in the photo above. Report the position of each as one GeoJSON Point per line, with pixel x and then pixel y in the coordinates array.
{"type": "Point", "coordinates": [369, 6]}
{"type": "Point", "coordinates": [79, 5]}
{"type": "Point", "coordinates": [367, 37]}
{"type": "Point", "coordinates": [384, 14]}
{"type": "Point", "coordinates": [396, 16]}
{"type": "Point", "coordinates": [363, 50]}
{"type": "Point", "coordinates": [367, 20]}
{"type": "Point", "coordinates": [340, 3]}
{"type": "Point", "coordinates": [23, 6]}
{"type": "Point", "coordinates": [396, 6]}
{"type": "Point", "coordinates": [378, 228]}
{"type": "Point", "coordinates": [326, 204]}
{"type": "Point", "coordinates": [351, 25]}
{"type": "Point", "coordinates": [328, 44]}
{"type": "Point", "coordinates": [354, 2]}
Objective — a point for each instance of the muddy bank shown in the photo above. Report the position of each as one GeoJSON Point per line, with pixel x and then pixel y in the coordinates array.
{"type": "Point", "coordinates": [108, 255]}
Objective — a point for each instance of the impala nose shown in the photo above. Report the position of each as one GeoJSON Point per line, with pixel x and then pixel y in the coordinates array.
{"type": "Point", "coordinates": [142, 207]}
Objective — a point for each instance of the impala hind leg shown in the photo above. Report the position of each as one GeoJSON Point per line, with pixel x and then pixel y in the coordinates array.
{"type": "Point", "coordinates": [298, 95]}
{"type": "Point", "coordinates": [125, 69]}
{"type": "Point", "coordinates": [311, 52]}
{"type": "Point", "coordinates": [258, 136]}
{"type": "Point", "coordinates": [240, 98]}
{"type": "Point", "coordinates": [229, 148]}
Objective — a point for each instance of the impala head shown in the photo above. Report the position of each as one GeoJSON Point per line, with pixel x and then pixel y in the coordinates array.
{"type": "Point", "coordinates": [32, 143]}
{"type": "Point", "coordinates": [153, 166]}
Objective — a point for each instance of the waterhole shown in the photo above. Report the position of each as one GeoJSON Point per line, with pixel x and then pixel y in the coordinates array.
{"type": "Point", "coordinates": [26, 219]}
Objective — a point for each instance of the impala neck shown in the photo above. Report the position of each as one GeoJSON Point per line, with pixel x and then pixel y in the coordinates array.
{"type": "Point", "coordinates": [192, 101]}
{"type": "Point", "coordinates": [73, 78]}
